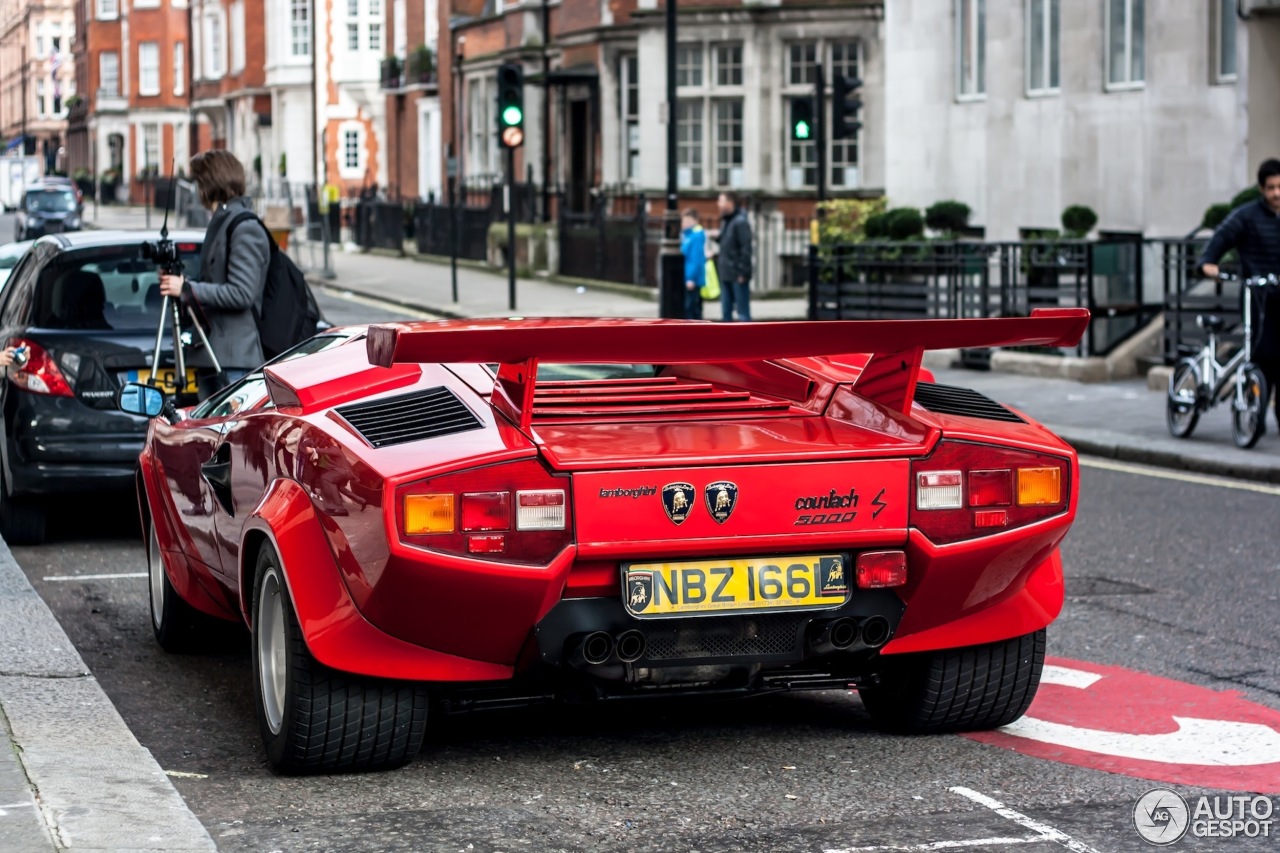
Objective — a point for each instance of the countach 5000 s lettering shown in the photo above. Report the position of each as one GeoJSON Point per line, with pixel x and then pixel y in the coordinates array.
{"type": "Point", "coordinates": [516, 510]}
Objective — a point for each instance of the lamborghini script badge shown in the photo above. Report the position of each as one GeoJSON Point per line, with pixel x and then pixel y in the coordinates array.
{"type": "Point", "coordinates": [721, 497]}
{"type": "Point", "coordinates": [677, 500]}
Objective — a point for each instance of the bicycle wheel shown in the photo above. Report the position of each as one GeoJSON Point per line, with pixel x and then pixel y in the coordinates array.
{"type": "Point", "coordinates": [1248, 407]}
{"type": "Point", "coordinates": [1183, 406]}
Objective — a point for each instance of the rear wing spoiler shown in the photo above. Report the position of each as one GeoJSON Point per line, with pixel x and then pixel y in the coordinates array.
{"type": "Point", "coordinates": [897, 346]}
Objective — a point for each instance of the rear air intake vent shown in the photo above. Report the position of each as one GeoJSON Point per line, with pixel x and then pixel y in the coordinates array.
{"type": "Point", "coordinates": [949, 400]}
{"type": "Point", "coordinates": [410, 417]}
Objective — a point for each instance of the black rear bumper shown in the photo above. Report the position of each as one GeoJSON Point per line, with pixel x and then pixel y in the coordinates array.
{"type": "Point", "coordinates": [576, 632]}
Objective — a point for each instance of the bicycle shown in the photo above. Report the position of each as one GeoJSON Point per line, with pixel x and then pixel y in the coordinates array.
{"type": "Point", "coordinates": [1199, 382]}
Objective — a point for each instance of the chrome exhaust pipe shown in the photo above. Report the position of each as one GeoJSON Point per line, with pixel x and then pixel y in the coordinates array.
{"type": "Point", "coordinates": [875, 631]}
{"type": "Point", "coordinates": [630, 646]}
{"type": "Point", "coordinates": [836, 636]}
{"type": "Point", "coordinates": [592, 650]}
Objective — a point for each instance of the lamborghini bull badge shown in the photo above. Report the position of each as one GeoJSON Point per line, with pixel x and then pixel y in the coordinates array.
{"type": "Point", "coordinates": [721, 497]}
{"type": "Point", "coordinates": [677, 500]}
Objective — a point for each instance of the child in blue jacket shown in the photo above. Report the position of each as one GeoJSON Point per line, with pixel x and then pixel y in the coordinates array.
{"type": "Point", "coordinates": [693, 245]}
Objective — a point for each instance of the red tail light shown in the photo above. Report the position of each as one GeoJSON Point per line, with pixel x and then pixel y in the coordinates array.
{"type": "Point", "coordinates": [514, 513]}
{"type": "Point", "coordinates": [965, 490]}
{"type": "Point", "coordinates": [39, 373]}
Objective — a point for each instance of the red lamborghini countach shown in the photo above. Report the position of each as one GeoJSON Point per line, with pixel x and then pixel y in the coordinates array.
{"type": "Point", "coordinates": [521, 510]}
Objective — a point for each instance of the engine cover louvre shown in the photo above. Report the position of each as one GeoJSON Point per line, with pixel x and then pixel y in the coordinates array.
{"type": "Point", "coordinates": [950, 400]}
{"type": "Point", "coordinates": [431, 413]}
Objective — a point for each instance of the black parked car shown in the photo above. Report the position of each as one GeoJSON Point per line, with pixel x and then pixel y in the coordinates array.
{"type": "Point", "coordinates": [47, 209]}
{"type": "Point", "coordinates": [86, 307]}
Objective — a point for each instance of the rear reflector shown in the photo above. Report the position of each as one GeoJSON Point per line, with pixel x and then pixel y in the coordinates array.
{"type": "Point", "coordinates": [991, 518]}
{"type": "Point", "coordinates": [881, 569]}
{"type": "Point", "coordinates": [540, 509]}
{"type": "Point", "coordinates": [939, 490]}
{"type": "Point", "coordinates": [1039, 486]}
{"type": "Point", "coordinates": [491, 543]}
{"type": "Point", "coordinates": [428, 514]}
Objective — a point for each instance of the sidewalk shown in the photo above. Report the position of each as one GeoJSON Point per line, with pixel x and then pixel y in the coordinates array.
{"type": "Point", "coordinates": [72, 775]}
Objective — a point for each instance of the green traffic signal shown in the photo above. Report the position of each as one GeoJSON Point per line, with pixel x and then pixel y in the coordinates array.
{"type": "Point", "coordinates": [802, 115]}
{"type": "Point", "coordinates": [512, 115]}
{"type": "Point", "coordinates": [802, 130]}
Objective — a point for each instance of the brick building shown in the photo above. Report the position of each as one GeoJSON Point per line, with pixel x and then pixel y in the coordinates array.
{"type": "Point", "coordinates": [411, 85]}
{"type": "Point", "coordinates": [131, 71]}
{"type": "Point", "coordinates": [37, 76]}
{"type": "Point", "coordinates": [350, 107]}
{"type": "Point", "coordinates": [597, 70]}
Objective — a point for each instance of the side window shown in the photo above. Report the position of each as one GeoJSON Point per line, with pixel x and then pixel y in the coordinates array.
{"type": "Point", "coordinates": [16, 308]}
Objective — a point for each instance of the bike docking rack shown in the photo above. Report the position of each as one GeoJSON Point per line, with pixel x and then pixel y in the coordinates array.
{"type": "Point", "coordinates": [1200, 381]}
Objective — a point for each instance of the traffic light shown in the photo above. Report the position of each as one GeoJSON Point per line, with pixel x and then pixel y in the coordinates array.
{"type": "Point", "coordinates": [845, 105]}
{"type": "Point", "coordinates": [802, 127]}
{"type": "Point", "coordinates": [511, 105]}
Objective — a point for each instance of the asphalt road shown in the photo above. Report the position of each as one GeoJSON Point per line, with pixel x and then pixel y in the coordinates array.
{"type": "Point", "coordinates": [1179, 579]}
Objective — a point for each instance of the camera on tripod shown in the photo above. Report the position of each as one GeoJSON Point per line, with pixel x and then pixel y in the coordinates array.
{"type": "Point", "coordinates": [164, 252]}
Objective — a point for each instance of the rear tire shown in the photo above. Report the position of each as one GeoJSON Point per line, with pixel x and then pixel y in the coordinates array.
{"type": "Point", "coordinates": [315, 719]}
{"type": "Point", "coordinates": [965, 689]}
{"type": "Point", "coordinates": [1249, 409]}
{"type": "Point", "coordinates": [1182, 409]}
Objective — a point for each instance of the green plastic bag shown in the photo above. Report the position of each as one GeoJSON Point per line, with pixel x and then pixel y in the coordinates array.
{"type": "Point", "coordinates": [711, 290]}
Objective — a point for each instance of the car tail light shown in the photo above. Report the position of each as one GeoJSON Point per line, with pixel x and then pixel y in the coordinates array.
{"type": "Point", "coordinates": [876, 569]}
{"type": "Point", "coordinates": [38, 373]}
{"type": "Point", "coordinates": [966, 490]}
{"type": "Point", "coordinates": [514, 512]}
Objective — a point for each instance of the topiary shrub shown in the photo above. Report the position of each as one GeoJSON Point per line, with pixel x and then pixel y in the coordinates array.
{"type": "Point", "coordinates": [1214, 215]}
{"type": "Point", "coordinates": [947, 217]}
{"type": "Point", "coordinates": [1078, 220]}
{"type": "Point", "coordinates": [877, 226]}
{"type": "Point", "coordinates": [1246, 196]}
{"type": "Point", "coordinates": [904, 223]}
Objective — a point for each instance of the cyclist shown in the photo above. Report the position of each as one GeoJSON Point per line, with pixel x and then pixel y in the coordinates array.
{"type": "Point", "coordinates": [1253, 230]}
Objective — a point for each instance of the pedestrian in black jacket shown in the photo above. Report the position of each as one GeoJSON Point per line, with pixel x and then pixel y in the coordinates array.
{"type": "Point", "coordinates": [232, 277]}
{"type": "Point", "coordinates": [734, 264]}
{"type": "Point", "coordinates": [1253, 230]}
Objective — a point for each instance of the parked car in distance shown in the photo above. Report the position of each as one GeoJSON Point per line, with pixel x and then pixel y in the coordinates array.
{"type": "Point", "coordinates": [47, 209]}
{"type": "Point", "coordinates": [85, 309]}
{"type": "Point", "coordinates": [487, 512]}
{"type": "Point", "coordinates": [10, 254]}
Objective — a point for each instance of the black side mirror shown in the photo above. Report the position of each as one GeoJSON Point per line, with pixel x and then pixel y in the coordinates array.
{"type": "Point", "coordinates": [138, 399]}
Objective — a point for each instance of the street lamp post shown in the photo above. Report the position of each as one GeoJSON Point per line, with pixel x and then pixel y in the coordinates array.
{"type": "Point", "coordinates": [671, 281]}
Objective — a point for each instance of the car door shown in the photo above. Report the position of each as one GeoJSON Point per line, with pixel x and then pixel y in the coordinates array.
{"type": "Point", "coordinates": [189, 456]}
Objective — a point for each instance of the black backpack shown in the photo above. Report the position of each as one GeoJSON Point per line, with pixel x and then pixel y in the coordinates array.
{"type": "Point", "coordinates": [281, 324]}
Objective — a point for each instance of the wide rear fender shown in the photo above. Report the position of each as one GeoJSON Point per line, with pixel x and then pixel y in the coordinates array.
{"type": "Point", "coordinates": [335, 631]}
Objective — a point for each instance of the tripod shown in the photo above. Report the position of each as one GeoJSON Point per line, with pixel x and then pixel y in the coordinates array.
{"type": "Point", "coordinates": [170, 308]}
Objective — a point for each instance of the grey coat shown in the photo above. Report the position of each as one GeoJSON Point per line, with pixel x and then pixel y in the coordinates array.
{"type": "Point", "coordinates": [735, 247]}
{"type": "Point", "coordinates": [230, 289]}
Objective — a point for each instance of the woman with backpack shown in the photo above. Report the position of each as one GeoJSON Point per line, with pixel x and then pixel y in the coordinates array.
{"type": "Point", "coordinates": [228, 295]}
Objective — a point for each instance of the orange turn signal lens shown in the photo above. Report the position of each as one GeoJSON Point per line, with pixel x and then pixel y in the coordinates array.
{"type": "Point", "coordinates": [1039, 486]}
{"type": "Point", "coordinates": [428, 514]}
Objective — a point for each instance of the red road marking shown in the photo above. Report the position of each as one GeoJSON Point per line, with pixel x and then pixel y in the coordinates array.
{"type": "Point", "coordinates": [1123, 721]}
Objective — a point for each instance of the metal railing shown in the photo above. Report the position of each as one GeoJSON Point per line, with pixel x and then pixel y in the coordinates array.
{"type": "Point", "coordinates": [978, 279]}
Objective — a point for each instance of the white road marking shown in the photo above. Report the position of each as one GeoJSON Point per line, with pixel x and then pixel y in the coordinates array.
{"type": "Point", "coordinates": [182, 774]}
{"type": "Point", "coordinates": [1181, 476]}
{"type": "Point", "coordinates": [943, 845]}
{"type": "Point", "coordinates": [1068, 677]}
{"type": "Point", "coordinates": [4, 809]}
{"type": "Point", "coordinates": [1199, 743]}
{"type": "Point", "coordinates": [1047, 833]}
{"type": "Point", "coordinates": [96, 577]}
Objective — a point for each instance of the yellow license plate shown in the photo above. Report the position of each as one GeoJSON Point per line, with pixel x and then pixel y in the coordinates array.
{"type": "Point", "coordinates": [751, 583]}
{"type": "Point", "coordinates": [166, 379]}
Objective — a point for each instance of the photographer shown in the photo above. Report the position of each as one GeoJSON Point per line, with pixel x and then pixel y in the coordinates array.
{"type": "Point", "coordinates": [233, 276]}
